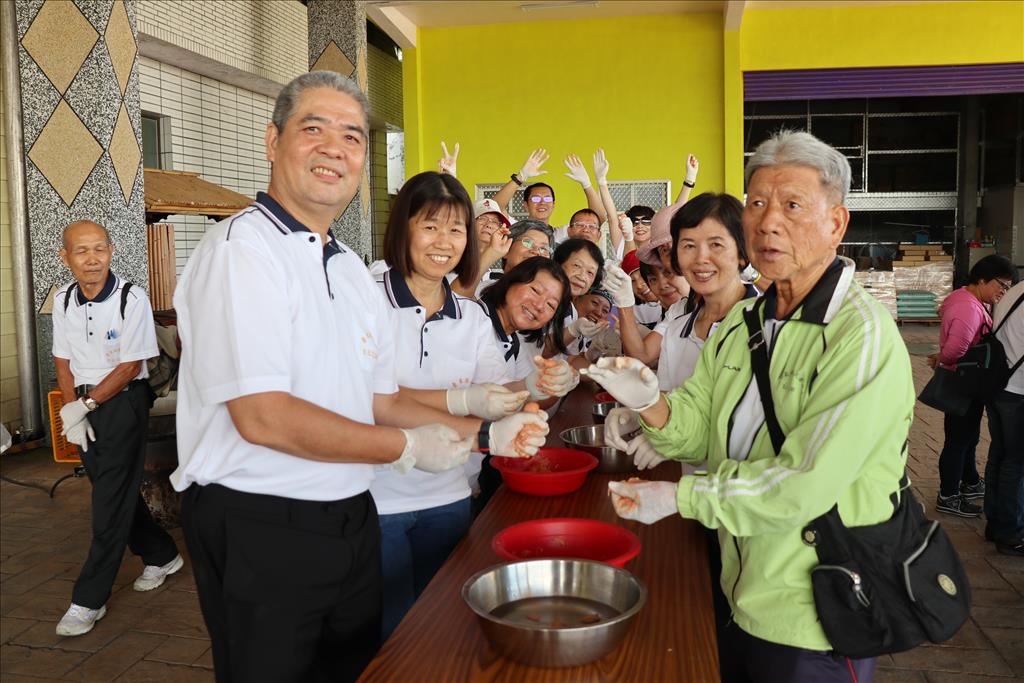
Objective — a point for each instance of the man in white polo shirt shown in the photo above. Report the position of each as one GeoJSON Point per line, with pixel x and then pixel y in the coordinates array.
{"type": "Point", "coordinates": [102, 335]}
{"type": "Point", "coordinates": [287, 376]}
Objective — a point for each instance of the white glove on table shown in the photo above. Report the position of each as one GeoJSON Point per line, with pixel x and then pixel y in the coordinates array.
{"type": "Point", "coordinates": [80, 434]}
{"type": "Point", "coordinates": [577, 171]}
{"type": "Point", "coordinates": [433, 448]}
{"type": "Point", "coordinates": [520, 435]}
{"type": "Point", "coordinates": [531, 167]}
{"type": "Point", "coordinates": [72, 413]}
{"type": "Point", "coordinates": [487, 401]}
{"type": "Point", "coordinates": [620, 423]}
{"type": "Point", "coordinates": [552, 378]}
{"type": "Point", "coordinates": [618, 285]}
{"type": "Point", "coordinates": [632, 383]}
{"type": "Point", "coordinates": [644, 501]}
{"type": "Point", "coordinates": [644, 455]}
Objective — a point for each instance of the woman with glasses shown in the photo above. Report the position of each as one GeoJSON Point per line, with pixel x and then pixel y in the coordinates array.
{"type": "Point", "coordinates": [526, 239]}
{"type": "Point", "coordinates": [582, 263]}
{"type": "Point", "coordinates": [966, 315]}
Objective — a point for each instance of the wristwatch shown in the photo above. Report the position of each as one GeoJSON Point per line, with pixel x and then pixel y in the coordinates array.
{"type": "Point", "coordinates": [516, 180]}
{"type": "Point", "coordinates": [90, 403]}
{"type": "Point", "coordinates": [483, 437]}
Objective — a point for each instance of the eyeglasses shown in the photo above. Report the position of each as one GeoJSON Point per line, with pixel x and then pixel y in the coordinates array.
{"type": "Point", "coordinates": [533, 245]}
{"type": "Point", "coordinates": [537, 199]}
{"type": "Point", "coordinates": [642, 221]}
{"type": "Point", "coordinates": [490, 222]}
{"type": "Point", "coordinates": [585, 226]}
{"type": "Point", "coordinates": [1005, 286]}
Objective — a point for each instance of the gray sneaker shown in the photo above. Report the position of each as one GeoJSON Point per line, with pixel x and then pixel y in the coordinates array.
{"type": "Point", "coordinates": [957, 505]}
{"type": "Point", "coordinates": [79, 620]}
{"type": "Point", "coordinates": [153, 576]}
{"type": "Point", "coordinates": [973, 491]}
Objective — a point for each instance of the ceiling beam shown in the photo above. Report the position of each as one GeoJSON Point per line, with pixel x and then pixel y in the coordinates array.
{"type": "Point", "coordinates": [393, 22]}
{"type": "Point", "coordinates": [734, 14]}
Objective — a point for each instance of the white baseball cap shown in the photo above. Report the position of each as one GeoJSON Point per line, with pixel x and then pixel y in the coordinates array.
{"type": "Point", "coordinates": [490, 206]}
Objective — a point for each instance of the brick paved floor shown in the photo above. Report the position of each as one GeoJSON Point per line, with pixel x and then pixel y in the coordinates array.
{"type": "Point", "coordinates": [159, 636]}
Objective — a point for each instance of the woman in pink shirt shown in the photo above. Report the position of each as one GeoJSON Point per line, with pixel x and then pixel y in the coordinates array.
{"type": "Point", "coordinates": [965, 317]}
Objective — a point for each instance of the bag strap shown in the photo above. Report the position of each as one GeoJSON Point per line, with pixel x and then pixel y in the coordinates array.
{"type": "Point", "coordinates": [124, 297]}
{"type": "Point", "coordinates": [67, 299]}
{"type": "Point", "coordinates": [759, 360]}
{"type": "Point", "coordinates": [1009, 313]}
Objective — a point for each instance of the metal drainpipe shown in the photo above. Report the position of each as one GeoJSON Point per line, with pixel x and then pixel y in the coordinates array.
{"type": "Point", "coordinates": [21, 261]}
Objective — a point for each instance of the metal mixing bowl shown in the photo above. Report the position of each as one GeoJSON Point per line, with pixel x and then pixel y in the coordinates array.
{"type": "Point", "coordinates": [590, 438]}
{"type": "Point", "coordinates": [601, 410]}
{"type": "Point", "coordinates": [554, 613]}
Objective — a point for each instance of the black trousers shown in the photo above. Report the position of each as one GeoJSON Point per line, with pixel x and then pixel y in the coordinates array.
{"type": "Point", "coordinates": [957, 463]}
{"type": "Point", "coordinates": [120, 516]}
{"type": "Point", "coordinates": [290, 590]}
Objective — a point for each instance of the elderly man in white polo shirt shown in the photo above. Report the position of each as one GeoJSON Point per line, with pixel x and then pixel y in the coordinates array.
{"type": "Point", "coordinates": [287, 378]}
{"type": "Point", "coordinates": [102, 335]}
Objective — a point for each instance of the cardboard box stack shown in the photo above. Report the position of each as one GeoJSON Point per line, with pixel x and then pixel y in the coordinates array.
{"type": "Point", "coordinates": [914, 254]}
{"type": "Point", "coordinates": [922, 270]}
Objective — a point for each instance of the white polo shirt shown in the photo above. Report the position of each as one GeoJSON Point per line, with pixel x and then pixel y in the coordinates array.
{"type": "Point", "coordinates": [452, 349]}
{"type": "Point", "coordinates": [92, 335]}
{"type": "Point", "coordinates": [1012, 334]}
{"type": "Point", "coordinates": [263, 305]}
{"type": "Point", "coordinates": [648, 313]}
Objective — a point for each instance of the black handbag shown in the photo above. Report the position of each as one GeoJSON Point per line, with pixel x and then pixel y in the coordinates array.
{"type": "Point", "coordinates": [943, 393]}
{"type": "Point", "coordinates": [880, 588]}
{"type": "Point", "coordinates": [983, 370]}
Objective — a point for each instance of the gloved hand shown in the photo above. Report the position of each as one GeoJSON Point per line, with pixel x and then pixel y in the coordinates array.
{"type": "Point", "coordinates": [644, 501]}
{"type": "Point", "coordinates": [520, 435]}
{"type": "Point", "coordinates": [488, 401]}
{"type": "Point", "coordinates": [584, 327]}
{"type": "Point", "coordinates": [691, 168]}
{"type": "Point", "coordinates": [632, 383]}
{"type": "Point", "coordinates": [80, 434]}
{"type": "Point", "coordinates": [577, 171]}
{"type": "Point", "coordinates": [531, 167]}
{"type": "Point", "coordinates": [620, 423]}
{"type": "Point", "coordinates": [551, 378]}
{"type": "Point", "coordinates": [600, 167]}
{"type": "Point", "coordinates": [71, 414]}
{"type": "Point", "coordinates": [644, 455]}
{"type": "Point", "coordinates": [619, 285]}
{"type": "Point", "coordinates": [500, 243]}
{"type": "Point", "coordinates": [446, 164]}
{"type": "Point", "coordinates": [626, 226]}
{"type": "Point", "coordinates": [433, 448]}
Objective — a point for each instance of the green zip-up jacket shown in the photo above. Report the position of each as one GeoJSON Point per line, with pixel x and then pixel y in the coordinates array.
{"type": "Point", "coordinates": [844, 397]}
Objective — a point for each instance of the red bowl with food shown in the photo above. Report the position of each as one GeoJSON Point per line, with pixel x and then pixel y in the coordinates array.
{"type": "Point", "coordinates": [604, 397]}
{"type": "Point", "coordinates": [561, 537]}
{"type": "Point", "coordinates": [552, 472]}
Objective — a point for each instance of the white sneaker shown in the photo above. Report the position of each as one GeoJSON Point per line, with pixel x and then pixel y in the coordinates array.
{"type": "Point", "coordinates": [153, 576]}
{"type": "Point", "coordinates": [78, 620]}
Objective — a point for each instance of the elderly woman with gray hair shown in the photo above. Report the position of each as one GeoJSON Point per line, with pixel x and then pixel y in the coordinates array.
{"type": "Point", "coordinates": [842, 397]}
{"type": "Point", "coordinates": [529, 238]}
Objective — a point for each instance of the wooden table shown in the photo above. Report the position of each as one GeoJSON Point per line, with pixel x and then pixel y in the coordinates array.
{"type": "Point", "coordinates": [672, 639]}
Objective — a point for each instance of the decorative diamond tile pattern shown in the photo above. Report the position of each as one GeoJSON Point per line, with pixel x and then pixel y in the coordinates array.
{"type": "Point", "coordinates": [333, 59]}
{"type": "Point", "coordinates": [125, 153]}
{"type": "Point", "coordinates": [120, 44]}
{"type": "Point", "coordinates": [59, 40]}
{"type": "Point", "coordinates": [65, 152]}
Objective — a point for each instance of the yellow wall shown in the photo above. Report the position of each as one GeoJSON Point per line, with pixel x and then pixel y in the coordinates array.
{"type": "Point", "coordinates": [10, 393]}
{"type": "Point", "coordinates": [647, 89]}
{"type": "Point", "coordinates": [878, 34]}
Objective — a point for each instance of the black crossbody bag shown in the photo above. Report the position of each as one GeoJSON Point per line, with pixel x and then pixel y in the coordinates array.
{"type": "Point", "coordinates": [880, 588]}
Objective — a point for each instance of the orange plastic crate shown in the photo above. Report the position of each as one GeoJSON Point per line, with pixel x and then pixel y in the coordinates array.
{"type": "Point", "coordinates": [63, 451]}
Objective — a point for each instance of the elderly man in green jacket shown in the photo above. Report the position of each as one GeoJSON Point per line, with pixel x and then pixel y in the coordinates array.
{"type": "Point", "coordinates": [844, 397]}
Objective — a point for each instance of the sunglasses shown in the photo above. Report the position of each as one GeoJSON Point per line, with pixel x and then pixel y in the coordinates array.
{"type": "Point", "coordinates": [642, 221]}
{"type": "Point", "coordinates": [532, 245]}
{"type": "Point", "coordinates": [537, 199]}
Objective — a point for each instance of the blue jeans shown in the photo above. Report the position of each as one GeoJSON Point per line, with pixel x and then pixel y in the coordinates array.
{"type": "Point", "coordinates": [413, 546]}
{"type": "Point", "coordinates": [1004, 473]}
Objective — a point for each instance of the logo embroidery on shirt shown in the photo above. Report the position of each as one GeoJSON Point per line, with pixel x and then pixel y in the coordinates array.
{"type": "Point", "coordinates": [369, 345]}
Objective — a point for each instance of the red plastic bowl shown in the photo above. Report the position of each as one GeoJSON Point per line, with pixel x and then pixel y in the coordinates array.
{"type": "Point", "coordinates": [604, 397]}
{"type": "Point", "coordinates": [587, 539]}
{"type": "Point", "coordinates": [552, 472]}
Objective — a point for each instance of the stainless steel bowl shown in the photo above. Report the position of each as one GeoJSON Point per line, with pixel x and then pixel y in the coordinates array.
{"type": "Point", "coordinates": [554, 613]}
{"type": "Point", "coordinates": [590, 438]}
{"type": "Point", "coordinates": [601, 410]}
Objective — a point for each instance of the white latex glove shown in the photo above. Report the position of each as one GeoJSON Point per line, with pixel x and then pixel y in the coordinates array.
{"type": "Point", "coordinates": [487, 401]}
{"type": "Point", "coordinates": [632, 383]}
{"type": "Point", "coordinates": [644, 455]}
{"type": "Point", "coordinates": [577, 171]}
{"type": "Point", "coordinates": [520, 435]}
{"type": "Point", "coordinates": [619, 285]}
{"type": "Point", "coordinates": [531, 167]}
{"type": "Point", "coordinates": [80, 434]}
{"type": "Point", "coordinates": [433, 448]}
{"type": "Point", "coordinates": [620, 423]}
{"type": "Point", "coordinates": [600, 167]}
{"type": "Point", "coordinates": [446, 164]}
{"type": "Point", "coordinates": [644, 501]}
{"type": "Point", "coordinates": [691, 168]}
{"type": "Point", "coordinates": [551, 378]}
{"type": "Point", "coordinates": [626, 226]}
{"type": "Point", "coordinates": [584, 327]}
{"type": "Point", "coordinates": [71, 414]}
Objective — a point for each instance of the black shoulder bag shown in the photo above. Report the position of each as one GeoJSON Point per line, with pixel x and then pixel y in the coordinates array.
{"type": "Point", "coordinates": [983, 370]}
{"type": "Point", "coordinates": [880, 588]}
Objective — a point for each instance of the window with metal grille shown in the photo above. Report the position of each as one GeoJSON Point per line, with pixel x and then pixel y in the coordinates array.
{"type": "Point", "coordinates": [625, 193]}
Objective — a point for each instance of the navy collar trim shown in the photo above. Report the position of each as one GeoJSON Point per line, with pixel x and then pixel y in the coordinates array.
{"type": "Point", "coordinates": [499, 332]}
{"type": "Point", "coordinates": [401, 296]}
{"type": "Point", "coordinates": [108, 288]}
{"type": "Point", "coordinates": [821, 303]}
{"type": "Point", "coordinates": [285, 222]}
